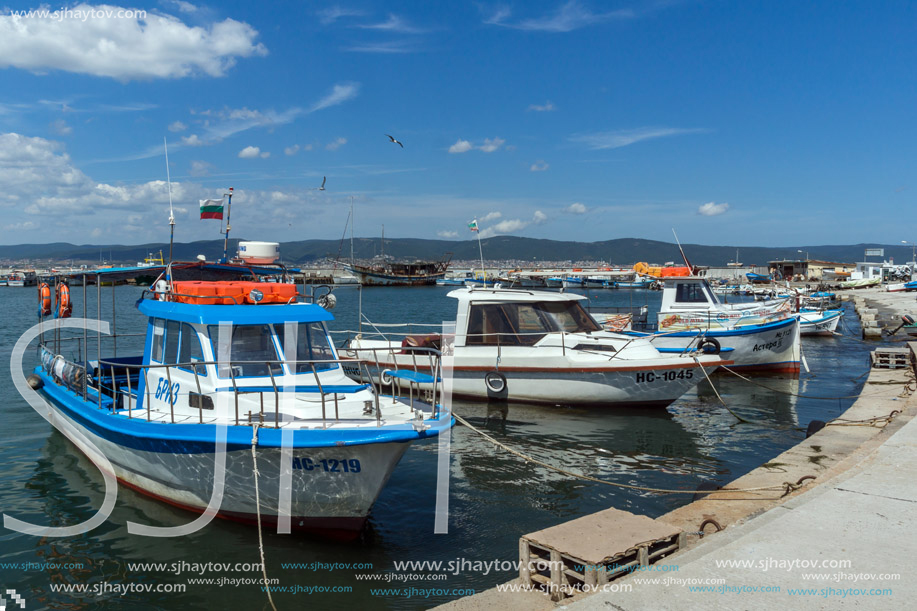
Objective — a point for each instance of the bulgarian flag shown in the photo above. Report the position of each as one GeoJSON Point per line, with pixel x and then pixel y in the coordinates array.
{"type": "Point", "coordinates": [212, 209]}
{"type": "Point", "coordinates": [473, 225]}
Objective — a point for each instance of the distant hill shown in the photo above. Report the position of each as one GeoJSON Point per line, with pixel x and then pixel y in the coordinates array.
{"type": "Point", "coordinates": [624, 251]}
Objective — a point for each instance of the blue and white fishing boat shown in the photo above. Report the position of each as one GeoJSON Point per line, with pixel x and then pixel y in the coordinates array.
{"type": "Point", "coordinates": [819, 322]}
{"type": "Point", "coordinates": [251, 361]}
{"type": "Point", "coordinates": [762, 336]}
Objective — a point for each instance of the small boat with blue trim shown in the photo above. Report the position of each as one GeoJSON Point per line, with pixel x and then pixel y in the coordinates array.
{"type": "Point", "coordinates": [252, 362]}
{"type": "Point", "coordinates": [763, 336]}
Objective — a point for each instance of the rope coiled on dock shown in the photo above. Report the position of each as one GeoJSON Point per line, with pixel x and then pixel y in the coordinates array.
{"type": "Point", "coordinates": [787, 487]}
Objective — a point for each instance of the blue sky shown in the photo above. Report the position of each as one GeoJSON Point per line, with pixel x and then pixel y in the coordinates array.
{"type": "Point", "coordinates": [736, 123]}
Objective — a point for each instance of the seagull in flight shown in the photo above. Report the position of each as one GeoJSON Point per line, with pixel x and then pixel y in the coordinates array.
{"type": "Point", "coordinates": [321, 188]}
{"type": "Point", "coordinates": [395, 141]}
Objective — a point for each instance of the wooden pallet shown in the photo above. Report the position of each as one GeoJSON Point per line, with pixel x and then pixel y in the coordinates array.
{"type": "Point", "coordinates": [891, 358]}
{"type": "Point", "coordinates": [593, 550]}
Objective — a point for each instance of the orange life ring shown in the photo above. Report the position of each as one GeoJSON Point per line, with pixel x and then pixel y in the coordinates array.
{"type": "Point", "coordinates": [44, 299]}
{"type": "Point", "coordinates": [64, 307]}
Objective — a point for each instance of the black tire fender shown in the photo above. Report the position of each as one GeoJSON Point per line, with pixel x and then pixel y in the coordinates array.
{"type": "Point", "coordinates": [709, 345]}
{"type": "Point", "coordinates": [495, 382]}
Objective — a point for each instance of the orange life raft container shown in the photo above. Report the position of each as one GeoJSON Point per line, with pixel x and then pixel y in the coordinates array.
{"type": "Point", "coordinates": [231, 293]}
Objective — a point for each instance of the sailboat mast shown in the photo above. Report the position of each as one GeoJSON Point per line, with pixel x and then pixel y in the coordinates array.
{"type": "Point", "coordinates": [351, 230]}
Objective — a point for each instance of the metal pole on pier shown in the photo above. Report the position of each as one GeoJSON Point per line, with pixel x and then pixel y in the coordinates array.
{"type": "Point", "coordinates": [226, 237]}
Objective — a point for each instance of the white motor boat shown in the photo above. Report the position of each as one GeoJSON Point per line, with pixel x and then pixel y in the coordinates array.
{"type": "Point", "coordinates": [543, 347]}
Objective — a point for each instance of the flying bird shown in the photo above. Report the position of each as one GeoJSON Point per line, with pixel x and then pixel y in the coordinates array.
{"type": "Point", "coordinates": [395, 141]}
{"type": "Point", "coordinates": [321, 188]}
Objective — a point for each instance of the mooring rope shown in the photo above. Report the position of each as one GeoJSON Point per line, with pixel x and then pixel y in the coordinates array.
{"type": "Point", "coordinates": [787, 487]}
{"type": "Point", "coordinates": [717, 393]}
{"type": "Point", "coordinates": [267, 587]}
{"type": "Point", "coordinates": [791, 393]}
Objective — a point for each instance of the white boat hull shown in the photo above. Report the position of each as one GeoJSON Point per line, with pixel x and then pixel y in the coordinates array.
{"type": "Point", "coordinates": [819, 323]}
{"type": "Point", "coordinates": [772, 347]}
{"type": "Point", "coordinates": [333, 488]}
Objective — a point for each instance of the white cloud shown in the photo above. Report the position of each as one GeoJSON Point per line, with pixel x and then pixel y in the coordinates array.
{"type": "Point", "coordinates": [192, 140]}
{"type": "Point", "coordinates": [265, 155]}
{"type": "Point", "coordinates": [384, 47]}
{"type": "Point", "coordinates": [331, 14]}
{"type": "Point", "coordinates": [575, 208]}
{"type": "Point", "coordinates": [491, 216]}
{"type": "Point", "coordinates": [539, 166]}
{"type": "Point", "coordinates": [291, 150]}
{"type": "Point", "coordinates": [490, 146]}
{"type": "Point", "coordinates": [546, 107]}
{"type": "Point", "coordinates": [61, 128]}
{"type": "Point", "coordinates": [510, 225]}
{"type": "Point", "coordinates": [568, 17]}
{"type": "Point", "coordinates": [43, 192]}
{"type": "Point", "coordinates": [249, 152]}
{"type": "Point", "coordinates": [336, 144]}
{"type": "Point", "coordinates": [447, 234]}
{"type": "Point", "coordinates": [393, 24]}
{"type": "Point", "coordinates": [625, 137]}
{"type": "Point", "coordinates": [201, 168]}
{"type": "Point", "coordinates": [339, 94]}
{"type": "Point", "coordinates": [156, 46]}
{"type": "Point", "coordinates": [460, 146]}
{"type": "Point", "coordinates": [182, 6]}
{"type": "Point", "coordinates": [178, 126]}
{"type": "Point", "coordinates": [712, 209]}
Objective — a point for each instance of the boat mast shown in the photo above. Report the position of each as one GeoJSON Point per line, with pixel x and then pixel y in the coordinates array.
{"type": "Point", "coordinates": [351, 230]}
{"type": "Point", "coordinates": [383, 245]}
{"type": "Point", "coordinates": [226, 237]}
{"type": "Point", "coordinates": [171, 212]}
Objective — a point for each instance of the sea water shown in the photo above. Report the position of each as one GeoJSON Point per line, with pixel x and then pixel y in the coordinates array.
{"type": "Point", "coordinates": [494, 497]}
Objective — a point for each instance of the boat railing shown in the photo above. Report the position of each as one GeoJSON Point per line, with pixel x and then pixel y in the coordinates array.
{"type": "Point", "coordinates": [424, 368]}
{"type": "Point", "coordinates": [114, 385]}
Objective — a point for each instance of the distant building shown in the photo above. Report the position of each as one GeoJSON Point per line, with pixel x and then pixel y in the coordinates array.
{"type": "Point", "coordinates": [812, 269]}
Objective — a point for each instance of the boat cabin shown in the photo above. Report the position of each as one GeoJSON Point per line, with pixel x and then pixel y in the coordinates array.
{"type": "Point", "coordinates": [688, 294]}
{"type": "Point", "coordinates": [513, 317]}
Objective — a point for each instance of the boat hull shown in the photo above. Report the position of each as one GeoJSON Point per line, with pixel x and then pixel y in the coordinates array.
{"type": "Point", "coordinates": [819, 323]}
{"type": "Point", "coordinates": [632, 383]}
{"type": "Point", "coordinates": [333, 486]}
{"type": "Point", "coordinates": [773, 347]}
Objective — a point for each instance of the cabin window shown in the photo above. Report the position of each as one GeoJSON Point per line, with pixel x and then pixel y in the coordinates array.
{"type": "Point", "coordinates": [190, 350]}
{"type": "Point", "coordinates": [311, 345]}
{"type": "Point", "coordinates": [690, 293]}
{"type": "Point", "coordinates": [567, 316]}
{"type": "Point", "coordinates": [159, 330]}
{"type": "Point", "coordinates": [492, 325]}
{"type": "Point", "coordinates": [252, 351]}
{"type": "Point", "coordinates": [171, 355]}
{"type": "Point", "coordinates": [525, 323]}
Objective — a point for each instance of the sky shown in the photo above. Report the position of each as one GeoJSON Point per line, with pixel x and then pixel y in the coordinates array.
{"type": "Point", "coordinates": [752, 123]}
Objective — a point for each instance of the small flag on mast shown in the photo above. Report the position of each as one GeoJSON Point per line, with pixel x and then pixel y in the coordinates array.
{"type": "Point", "coordinates": [473, 225]}
{"type": "Point", "coordinates": [212, 209]}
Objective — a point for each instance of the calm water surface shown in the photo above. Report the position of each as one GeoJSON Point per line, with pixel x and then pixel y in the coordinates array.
{"type": "Point", "coordinates": [494, 497]}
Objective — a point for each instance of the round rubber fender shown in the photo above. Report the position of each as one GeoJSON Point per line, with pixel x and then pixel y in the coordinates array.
{"type": "Point", "coordinates": [495, 382]}
{"type": "Point", "coordinates": [385, 377]}
{"type": "Point", "coordinates": [709, 345]}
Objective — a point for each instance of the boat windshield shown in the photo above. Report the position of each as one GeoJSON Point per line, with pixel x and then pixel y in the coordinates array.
{"type": "Point", "coordinates": [311, 345]}
{"type": "Point", "coordinates": [252, 351]}
{"type": "Point", "coordinates": [525, 323]}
